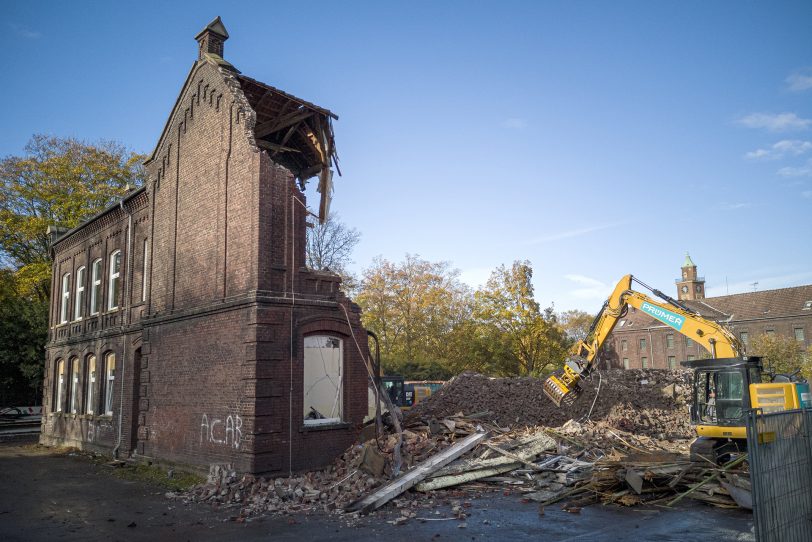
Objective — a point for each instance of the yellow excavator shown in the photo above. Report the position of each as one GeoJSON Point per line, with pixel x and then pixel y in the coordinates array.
{"type": "Point", "coordinates": [724, 386]}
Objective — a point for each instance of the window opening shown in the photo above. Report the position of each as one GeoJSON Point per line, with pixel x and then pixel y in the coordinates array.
{"type": "Point", "coordinates": [672, 362]}
{"type": "Point", "coordinates": [74, 385]}
{"type": "Point", "coordinates": [113, 283]}
{"type": "Point", "coordinates": [669, 340]}
{"type": "Point", "coordinates": [644, 362]}
{"type": "Point", "coordinates": [799, 334]}
{"type": "Point", "coordinates": [79, 303]}
{"type": "Point", "coordinates": [95, 289]}
{"type": "Point", "coordinates": [323, 380]}
{"type": "Point", "coordinates": [109, 380]}
{"type": "Point", "coordinates": [625, 363]}
{"type": "Point", "coordinates": [63, 313]}
{"type": "Point", "coordinates": [60, 384]}
{"type": "Point", "coordinates": [90, 384]}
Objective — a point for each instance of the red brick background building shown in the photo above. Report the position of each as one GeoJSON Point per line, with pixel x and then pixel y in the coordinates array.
{"type": "Point", "coordinates": [639, 341]}
{"type": "Point", "coordinates": [184, 324]}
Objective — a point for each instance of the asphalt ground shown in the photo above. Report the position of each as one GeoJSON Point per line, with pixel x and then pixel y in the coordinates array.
{"type": "Point", "coordinates": [48, 494]}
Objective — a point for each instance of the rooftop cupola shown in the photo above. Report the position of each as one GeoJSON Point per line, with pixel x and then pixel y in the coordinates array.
{"type": "Point", "coordinates": [211, 39]}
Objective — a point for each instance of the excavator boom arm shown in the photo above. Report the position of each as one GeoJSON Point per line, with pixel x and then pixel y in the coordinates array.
{"type": "Point", "coordinates": [713, 336]}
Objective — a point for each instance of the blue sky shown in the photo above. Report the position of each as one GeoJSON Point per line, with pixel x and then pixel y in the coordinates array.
{"type": "Point", "coordinates": [594, 139]}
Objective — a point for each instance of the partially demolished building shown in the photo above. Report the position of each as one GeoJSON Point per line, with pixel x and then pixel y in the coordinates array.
{"type": "Point", "coordinates": [184, 324]}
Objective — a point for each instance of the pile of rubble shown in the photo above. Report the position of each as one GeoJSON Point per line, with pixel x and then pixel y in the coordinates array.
{"type": "Point", "coordinates": [650, 401]}
{"type": "Point", "coordinates": [503, 434]}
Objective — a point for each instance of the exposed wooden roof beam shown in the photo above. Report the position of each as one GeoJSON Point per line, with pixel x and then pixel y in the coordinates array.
{"type": "Point", "coordinates": [279, 123]}
{"type": "Point", "coordinates": [274, 147]}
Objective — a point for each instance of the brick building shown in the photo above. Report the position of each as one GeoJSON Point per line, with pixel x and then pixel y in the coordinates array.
{"type": "Point", "coordinates": [640, 341]}
{"type": "Point", "coordinates": [184, 325]}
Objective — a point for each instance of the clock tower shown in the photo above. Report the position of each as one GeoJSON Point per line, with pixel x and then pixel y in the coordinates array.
{"type": "Point", "coordinates": [690, 286]}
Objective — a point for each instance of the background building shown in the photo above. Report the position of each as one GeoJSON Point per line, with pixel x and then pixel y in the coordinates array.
{"type": "Point", "coordinates": [639, 341]}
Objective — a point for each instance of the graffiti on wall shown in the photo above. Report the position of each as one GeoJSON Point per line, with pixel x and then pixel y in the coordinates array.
{"type": "Point", "coordinates": [223, 432]}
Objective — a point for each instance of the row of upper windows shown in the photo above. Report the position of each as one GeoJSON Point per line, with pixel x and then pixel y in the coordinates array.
{"type": "Point", "coordinates": [669, 343]}
{"type": "Point", "coordinates": [797, 331]}
{"type": "Point", "coordinates": [68, 382]}
{"type": "Point", "coordinates": [672, 362]}
{"type": "Point", "coordinates": [96, 274]}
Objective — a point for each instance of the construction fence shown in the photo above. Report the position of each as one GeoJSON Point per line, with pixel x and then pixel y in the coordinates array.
{"type": "Point", "coordinates": [780, 448]}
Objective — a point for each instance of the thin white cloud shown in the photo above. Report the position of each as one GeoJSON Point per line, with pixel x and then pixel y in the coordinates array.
{"type": "Point", "coordinates": [807, 193]}
{"type": "Point", "coordinates": [588, 287]}
{"type": "Point", "coordinates": [775, 122]}
{"type": "Point", "coordinates": [800, 171]}
{"type": "Point", "coordinates": [735, 206]}
{"type": "Point", "coordinates": [784, 148]}
{"type": "Point", "coordinates": [24, 32]}
{"type": "Point", "coordinates": [800, 80]}
{"type": "Point", "coordinates": [568, 234]}
{"type": "Point", "coordinates": [514, 123]}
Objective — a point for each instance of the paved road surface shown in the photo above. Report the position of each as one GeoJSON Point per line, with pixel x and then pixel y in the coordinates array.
{"type": "Point", "coordinates": [50, 496]}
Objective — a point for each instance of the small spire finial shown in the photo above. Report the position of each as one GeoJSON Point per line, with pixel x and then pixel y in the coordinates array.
{"type": "Point", "coordinates": [210, 40]}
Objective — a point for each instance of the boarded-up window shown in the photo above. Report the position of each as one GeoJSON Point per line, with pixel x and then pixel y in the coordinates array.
{"type": "Point", "coordinates": [323, 380]}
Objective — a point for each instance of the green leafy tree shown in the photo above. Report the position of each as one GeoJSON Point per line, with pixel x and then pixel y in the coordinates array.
{"type": "Point", "coordinates": [61, 182]}
{"type": "Point", "coordinates": [23, 330]}
{"type": "Point", "coordinates": [782, 354]}
{"type": "Point", "coordinates": [413, 307]}
{"type": "Point", "coordinates": [576, 324]}
{"type": "Point", "coordinates": [514, 336]}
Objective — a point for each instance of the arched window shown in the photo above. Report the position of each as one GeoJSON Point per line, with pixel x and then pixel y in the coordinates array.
{"type": "Point", "coordinates": [74, 386]}
{"type": "Point", "coordinates": [79, 296]}
{"type": "Point", "coordinates": [323, 380]}
{"type": "Point", "coordinates": [109, 380]}
{"type": "Point", "coordinates": [60, 385]}
{"type": "Point", "coordinates": [95, 287]}
{"type": "Point", "coordinates": [90, 384]}
{"type": "Point", "coordinates": [63, 312]}
{"type": "Point", "coordinates": [114, 280]}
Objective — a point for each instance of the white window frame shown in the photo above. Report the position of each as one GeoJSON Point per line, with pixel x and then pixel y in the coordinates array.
{"type": "Point", "coordinates": [79, 296]}
{"type": "Point", "coordinates": [60, 384]}
{"type": "Point", "coordinates": [113, 280]}
{"type": "Point", "coordinates": [65, 305]}
{"type": "Point", "coordinates": [96, 269]}
{"type": "Point", "coordinates": [109, 382]}
{"type": "Point", "coordinates": [90, 382]}
{"type": "Point", "coordinates": [73, 408]}
{"type": "Point", "coordinates": [323, 380]}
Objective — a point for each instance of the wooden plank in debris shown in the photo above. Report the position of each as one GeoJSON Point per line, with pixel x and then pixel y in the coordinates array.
{"type": "Point", "coordinates": [528, 449]}
{"type": "Point", "coordinates": [489, 467]}
{"type": "Point", "coordinates": [397, 486]}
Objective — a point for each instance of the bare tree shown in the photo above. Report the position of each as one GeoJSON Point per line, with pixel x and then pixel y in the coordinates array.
{"type": "Point", "coordinates": [330, 245]}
